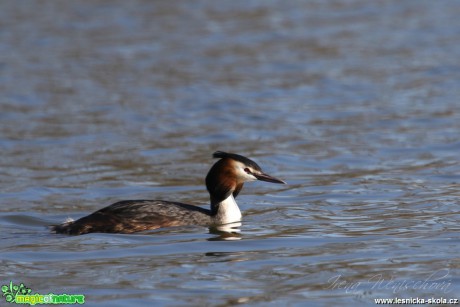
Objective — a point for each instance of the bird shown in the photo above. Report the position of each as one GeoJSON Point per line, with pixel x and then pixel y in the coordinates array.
{"type": "Point", "coordinates": [224, 182]}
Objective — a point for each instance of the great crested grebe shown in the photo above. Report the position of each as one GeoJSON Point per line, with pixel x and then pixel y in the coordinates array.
{"type": "Point", "coordinates": [224, 182]}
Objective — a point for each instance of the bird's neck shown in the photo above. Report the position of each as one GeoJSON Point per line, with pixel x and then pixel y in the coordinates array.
{"type": "Point", "coordinates": [225, 211]}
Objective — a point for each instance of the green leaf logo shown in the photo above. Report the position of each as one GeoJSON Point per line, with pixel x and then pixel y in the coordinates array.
{"type": "Point", "coordinates": [10, 291]}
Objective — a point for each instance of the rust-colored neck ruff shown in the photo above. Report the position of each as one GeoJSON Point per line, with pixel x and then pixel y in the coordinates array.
{"type": "Point", "coordinates": [223, 186]}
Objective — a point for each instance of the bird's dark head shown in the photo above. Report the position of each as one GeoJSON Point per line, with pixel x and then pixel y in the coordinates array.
{"type": "Point", "coordinates": [228, 174]}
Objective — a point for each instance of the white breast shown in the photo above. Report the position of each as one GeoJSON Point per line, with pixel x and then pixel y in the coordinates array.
{"type": "Point", "coordinates": [228, 211]}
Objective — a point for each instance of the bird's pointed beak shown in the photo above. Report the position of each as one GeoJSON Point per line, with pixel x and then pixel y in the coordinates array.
{"type": "Point", "coordinates": [268, 178]}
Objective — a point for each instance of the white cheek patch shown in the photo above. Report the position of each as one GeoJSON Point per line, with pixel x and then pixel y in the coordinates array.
{"type": "Point", "coordinates": [250, 177]}
{"type": "Point", "coordinates": [242, 173]}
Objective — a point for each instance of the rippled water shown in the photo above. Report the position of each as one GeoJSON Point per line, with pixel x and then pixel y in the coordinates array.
{"type": "Point", "coordinates": [353, 103]}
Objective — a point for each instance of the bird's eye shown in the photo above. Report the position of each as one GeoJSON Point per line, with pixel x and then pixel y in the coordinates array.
{"type": "Point", "coordinates": [247, 170]}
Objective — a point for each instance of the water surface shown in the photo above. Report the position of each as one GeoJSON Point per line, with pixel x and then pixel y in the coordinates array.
{"type": "Point", "coordinates": [353, 103]}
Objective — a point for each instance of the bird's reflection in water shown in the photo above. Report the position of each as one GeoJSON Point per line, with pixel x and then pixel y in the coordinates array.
{"type": "Point", "coordinates": [228, 256]}
{"type": "Point", "coordinates": [226, 232]}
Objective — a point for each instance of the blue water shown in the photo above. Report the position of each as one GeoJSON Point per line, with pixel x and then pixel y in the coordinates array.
{"type": "Point", "coordinates": [353, 103]}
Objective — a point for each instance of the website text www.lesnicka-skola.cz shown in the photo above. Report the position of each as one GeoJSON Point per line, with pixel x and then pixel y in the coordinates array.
{"type": "Point", "coordinates": [416, 300]}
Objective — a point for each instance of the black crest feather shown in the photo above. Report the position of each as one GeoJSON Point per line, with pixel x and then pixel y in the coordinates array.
{"type": "Point", "coordinates": [242, 159]}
